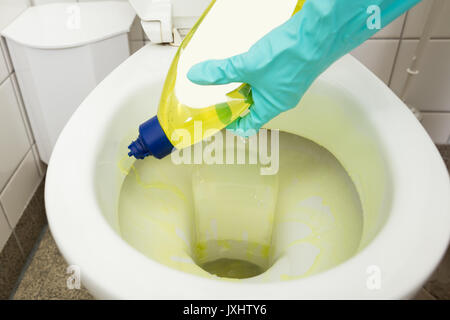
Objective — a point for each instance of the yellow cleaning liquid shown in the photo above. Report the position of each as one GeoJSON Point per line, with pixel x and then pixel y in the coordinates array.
{"type": "Point", "coordinates": [226, 28]}
{"type": "Point", "coordinates": [231, 223]}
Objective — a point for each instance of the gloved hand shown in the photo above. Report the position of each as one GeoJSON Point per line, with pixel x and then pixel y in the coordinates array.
{"type": "Point", "coordinates": [282, 65]}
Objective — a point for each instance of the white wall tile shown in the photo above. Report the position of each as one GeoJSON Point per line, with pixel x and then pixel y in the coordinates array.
{"type": "Point", "coordinates": [377, 55]}
{"type": "Point", "coordinates": [3, 67]}
{"type": "Point", "coordinates": [5, 229]}
{"type": "Point", "coordinates": [9, 9]}
{"type": "Point", "coordinates": [14, 142]}
{"type": "Point", "coordinates": [418, 15]}
{"type": "Point", "coordinates": [430, 90]}
{"type": "Point", "coordinates": [392, 30]}
{"type": "Point", "coordinates": [6, 55]}
{"type": "Point", "coordinates": [20, 189]}
{"type": "Point", "coordinates": [42, 168]}
{"type": "Point", "coordinates": [437, 125]}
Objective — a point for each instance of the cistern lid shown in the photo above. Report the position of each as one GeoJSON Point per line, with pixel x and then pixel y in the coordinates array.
{"type": "Point", "coordinates": [65, 25]}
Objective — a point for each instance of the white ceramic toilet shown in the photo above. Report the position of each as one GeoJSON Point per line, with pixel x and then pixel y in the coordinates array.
{"type": "Point", "coordinates": [401, 181]}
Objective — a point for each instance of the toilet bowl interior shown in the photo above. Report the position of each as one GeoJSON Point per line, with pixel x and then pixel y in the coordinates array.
{"type": "Point", "coordinates": [330, 122]}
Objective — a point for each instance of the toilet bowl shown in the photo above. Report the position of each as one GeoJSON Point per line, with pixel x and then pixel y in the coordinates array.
{"type": "Point", "coordinates": [401, 181]}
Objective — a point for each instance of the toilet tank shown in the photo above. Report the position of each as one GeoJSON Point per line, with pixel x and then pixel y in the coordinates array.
{"type": "Point", "coordinates": [60, 52]}
{"type": "Point", "coordinates": [162, 19]}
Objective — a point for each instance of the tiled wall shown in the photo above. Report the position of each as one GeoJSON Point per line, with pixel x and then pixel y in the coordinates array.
{"type": "Point", "coordinates": [20, 168]}
{"type": "Point", "coordinates": [389, 53]}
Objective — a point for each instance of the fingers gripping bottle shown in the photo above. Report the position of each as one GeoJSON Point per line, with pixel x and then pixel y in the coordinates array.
{"type": "Point", "coordinates": [226, 28]}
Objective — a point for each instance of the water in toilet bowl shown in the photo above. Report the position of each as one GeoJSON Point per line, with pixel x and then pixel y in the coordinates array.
{"type": "Point", "coordinates": [229, 222]}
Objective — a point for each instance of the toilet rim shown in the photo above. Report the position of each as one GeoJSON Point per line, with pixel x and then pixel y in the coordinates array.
{"type": "Point", "coordinates": [81, 231]}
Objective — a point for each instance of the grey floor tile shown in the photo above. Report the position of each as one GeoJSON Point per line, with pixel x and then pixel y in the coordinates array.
{"type": "Point", "coordinates": [37, 272]}
{"type": "Point", "coordinates": [439, 283]}
{"type": "Point", "coordinates": [424, 295]}
{"type": "Point", "coordinates": [45, 278]}
{"type": "Point", "coordinates": [32, 221]}
{"type": "Point", "coordinates": [11, 263]}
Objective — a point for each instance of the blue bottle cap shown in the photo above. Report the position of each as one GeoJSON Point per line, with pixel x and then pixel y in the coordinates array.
{"type": "Point", "coordinates": [151, 141]}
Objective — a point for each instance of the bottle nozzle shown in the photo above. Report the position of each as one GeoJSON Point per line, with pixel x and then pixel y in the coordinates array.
{"type": "Point", "coordinates": [152, 141]}
{"type": "Point", "coordinates": [138, 149]}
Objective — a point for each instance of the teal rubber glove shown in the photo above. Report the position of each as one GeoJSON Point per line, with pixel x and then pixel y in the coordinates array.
{"type": "Point", "coordinates": [282, 65]}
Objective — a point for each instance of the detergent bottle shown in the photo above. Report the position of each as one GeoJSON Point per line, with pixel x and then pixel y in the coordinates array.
{"type": "Point", "coordinates": [225, 29]}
